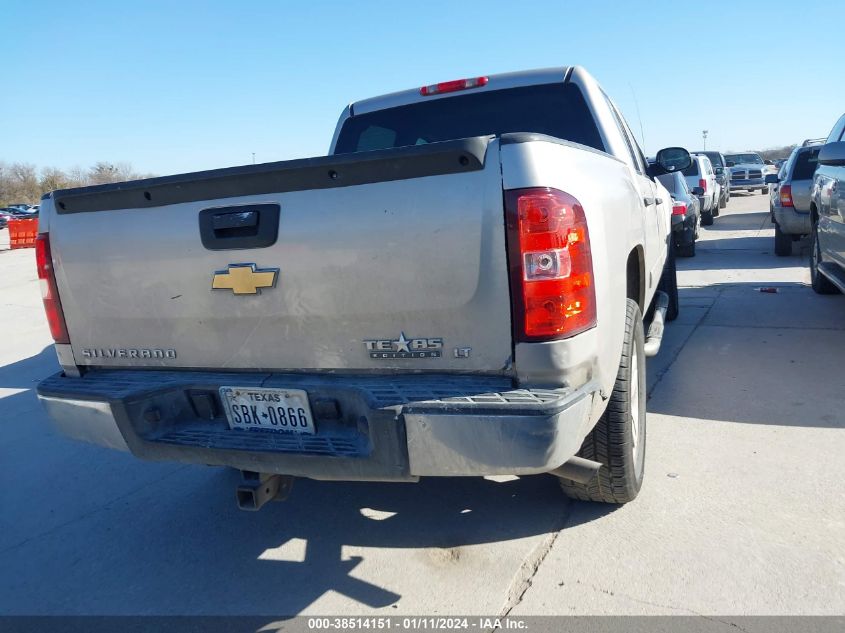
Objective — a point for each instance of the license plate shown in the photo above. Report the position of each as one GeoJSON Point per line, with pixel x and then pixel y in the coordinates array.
{"type": "Point", "coordinates": [267, 409]}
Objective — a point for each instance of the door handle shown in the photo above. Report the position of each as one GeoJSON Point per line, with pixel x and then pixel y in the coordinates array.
{"type": "Point", "coordinates": [658, 201]}
{"type": "Point", "coordinates": [648, 201]}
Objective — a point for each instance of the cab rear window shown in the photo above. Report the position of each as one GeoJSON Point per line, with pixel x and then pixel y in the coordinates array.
{"type": "Point", "coordinates": [556, 109]}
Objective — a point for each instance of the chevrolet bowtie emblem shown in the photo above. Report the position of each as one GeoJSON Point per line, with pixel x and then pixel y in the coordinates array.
{"type": "Point", "coordinates": [244, 279]}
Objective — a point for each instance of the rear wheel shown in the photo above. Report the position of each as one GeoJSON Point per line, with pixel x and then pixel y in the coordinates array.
{"type": "Point", "coordinates": [783, 243]}
{"type": "Point", "coordinates": [723, 201]}
{"type": "Point", "coordinates": [687, 250]}
{"type": "Point", "coordinates": [618, 439]}
{"type": "Point", "coordinates": [669, 284]}
{"type": "Point", "coordinates": [821, 284]}
{"type": "Point", "coordinates": [706, 218]}
{"type": "Point", "coordinates": [764, 190]}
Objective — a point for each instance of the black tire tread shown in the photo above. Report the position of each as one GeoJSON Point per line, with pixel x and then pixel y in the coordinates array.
{"type": "Point", "coordinates": [609, 441]}
{"type": "Point", "coordinates": [820, 284]}
{"type": "Point", "coordinates": [687, 250]}
{"type": "Point", "coordinates": [669, 284]}
{"type": "Point", "coordinates": [783, 243]}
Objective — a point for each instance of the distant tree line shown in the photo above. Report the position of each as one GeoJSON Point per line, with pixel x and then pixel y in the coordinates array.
{"type": "Point", "coordinates": [24, 183]}
{"type": "Point", "coordinates": [773, 153]}
{"type": "Point", "coordinates": [776, 153]}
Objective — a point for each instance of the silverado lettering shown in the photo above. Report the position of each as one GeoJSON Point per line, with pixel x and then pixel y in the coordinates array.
{"type": "Point", "coordinates": [128, 353]}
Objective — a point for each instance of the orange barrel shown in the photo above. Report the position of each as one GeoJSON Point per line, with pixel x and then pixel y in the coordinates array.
{"type": "Point", "coordinates": [22, 233]}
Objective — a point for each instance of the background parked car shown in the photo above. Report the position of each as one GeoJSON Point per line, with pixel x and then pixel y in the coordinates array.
{"type": "Point", "coordinates": [747, 171]}
{"type": "Point", "coordinates": [686, 214]}
{"type": "Point", "coordinates": [701, 174]}
{"type": "Point", "coordinates": [827, 208]}
{"type": "Point", "coordinates": [789, 197]}
{"type": "Point", "coordinates": [20, 211]}
{"type": "Point", "coordinates": [723, 175]}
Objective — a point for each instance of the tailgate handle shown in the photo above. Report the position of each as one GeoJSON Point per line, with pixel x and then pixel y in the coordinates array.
{"type": "Point", "coordinates": [234, 220]}
{"type": "Point", "coordinates": [243, 226]}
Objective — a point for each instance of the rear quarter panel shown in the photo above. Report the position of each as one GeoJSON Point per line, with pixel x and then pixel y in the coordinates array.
{"type": "Point", "coordinates": [604, 187]}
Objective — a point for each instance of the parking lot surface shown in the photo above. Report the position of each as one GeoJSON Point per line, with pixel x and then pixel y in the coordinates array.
{"type": "Point", "coordinates": [742, 510]}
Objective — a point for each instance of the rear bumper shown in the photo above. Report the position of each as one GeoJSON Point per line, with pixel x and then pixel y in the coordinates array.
{"type": "Point", "coordinates": [376, 428]}
{"type": "Point", "coordinates": [792, 222]}
{"type": "Point", "coordinates": [683, 229]}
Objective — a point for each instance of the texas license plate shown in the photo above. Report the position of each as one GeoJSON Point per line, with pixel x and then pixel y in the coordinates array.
{"type": "Point", "coordinates": [267, 409]}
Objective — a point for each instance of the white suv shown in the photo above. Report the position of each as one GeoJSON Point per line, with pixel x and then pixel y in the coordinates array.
{"type": "Point", "coordinates": [701, 174]}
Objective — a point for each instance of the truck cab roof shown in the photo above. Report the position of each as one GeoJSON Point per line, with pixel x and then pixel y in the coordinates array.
{"type": "Point", "coordinates": [494, 82]}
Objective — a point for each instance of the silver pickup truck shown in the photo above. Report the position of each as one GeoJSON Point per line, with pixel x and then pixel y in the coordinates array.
{"type": "Point", "coordinates": [457, 289]}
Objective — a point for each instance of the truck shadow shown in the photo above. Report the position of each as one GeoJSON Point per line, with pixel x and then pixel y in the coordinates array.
{"type": "Point", "coordinates": [367, 542]}
{"type": "Point", "coordinates": [750, 221]}
{"type": "Point", "coordinates": [26, 373]}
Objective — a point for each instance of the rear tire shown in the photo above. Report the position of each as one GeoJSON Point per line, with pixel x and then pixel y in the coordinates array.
{"type": "Point", "coordinates": [618, 439]}
{"type": "Point", "coordinates": [783, 243]}
{"type": "Point", "coordinates": [669, 284]}
{"type": "Point", "coordinates": [723, 202]}
{"type": "Point", "coordinates": [764, 190]}
{"type": "Point", "coordinates": [821, 284]}
{"type": "Point", "coordinates": [687, 250]}
{"type": "Point", "coordinates": [706, 218]}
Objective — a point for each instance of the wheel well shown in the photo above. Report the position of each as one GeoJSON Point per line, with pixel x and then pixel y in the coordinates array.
{"type": "Point", "coordinates": [634, 275]}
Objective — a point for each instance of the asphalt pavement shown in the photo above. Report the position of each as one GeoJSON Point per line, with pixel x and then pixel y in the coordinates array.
{"type": "Point", "coordinates": [742, 510]}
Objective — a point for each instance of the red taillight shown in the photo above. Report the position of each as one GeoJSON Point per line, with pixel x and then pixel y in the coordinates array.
{"type": "Point", "coordinates": [49, 292]}
{"type": "Point", "coordinates": [786, 196]}
{"type": "Point", "coordinates": [679, 208]}
{"type": "Point", "coordinates": [550, 263]}
{"type": "Point", "coordinates": [703, 184]}
{"type": "Point", "coordinates": [453, 86]}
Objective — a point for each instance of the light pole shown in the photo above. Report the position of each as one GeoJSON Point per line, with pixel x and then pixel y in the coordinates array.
{"type": "Point", "coordinates": [253, 158]}
{"type": "Point", "coordinates": [704, 136]}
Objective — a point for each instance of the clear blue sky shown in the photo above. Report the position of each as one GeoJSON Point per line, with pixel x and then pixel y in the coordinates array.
{"type": "Point", "coordinates": [182, 86]}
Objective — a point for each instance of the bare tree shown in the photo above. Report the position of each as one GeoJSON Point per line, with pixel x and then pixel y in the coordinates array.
{"type": "Point", "coordinates": [18, 184]}
{"type": "Point", "coordinates": [53, 178]}
{"type": "Point", "coordinates": [21, 183]}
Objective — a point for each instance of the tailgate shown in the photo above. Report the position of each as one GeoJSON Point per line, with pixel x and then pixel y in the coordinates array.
{"type": "Point", "coordinates": [386, 260]}
{"type": "Point", "coordinates": [801, 195]}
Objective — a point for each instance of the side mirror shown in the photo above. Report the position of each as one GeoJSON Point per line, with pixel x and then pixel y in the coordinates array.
{"type": "Point", "coordinates": [674, 159]}
{"type": "Point", "coordinates": [719, 171]}
{"type": "Point", "coordinates": [697, 191]}
{"type": "Point", "coordinates": [832, 154]}
{"type": "Point", "coordinates": [730, 163]}
{"type": "Point", "coordinates": [771, 179]}
{"type": "Point", "coordinates": [768, 162]}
